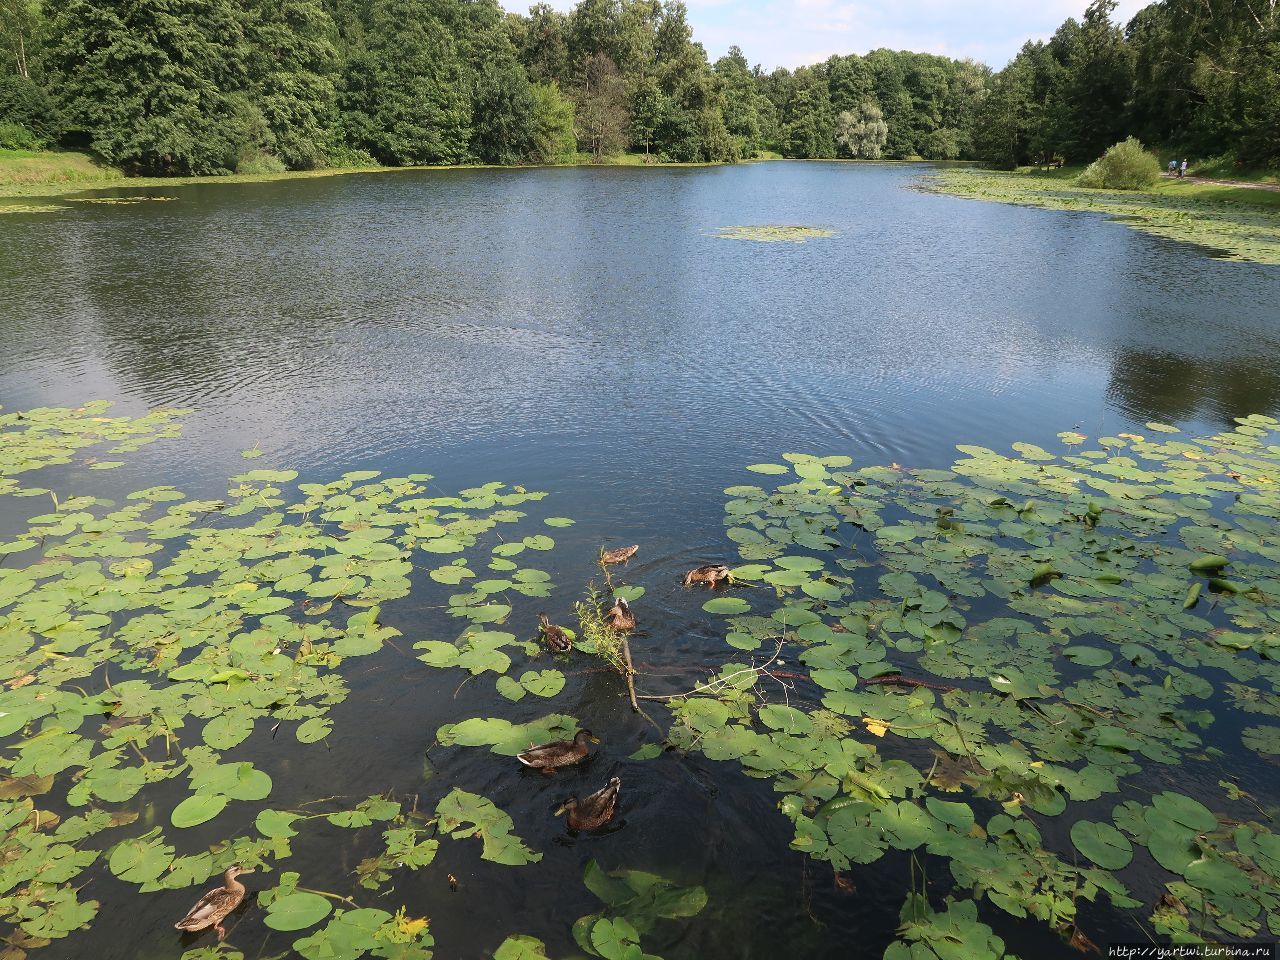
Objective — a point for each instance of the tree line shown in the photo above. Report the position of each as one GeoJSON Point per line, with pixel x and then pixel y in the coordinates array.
{"type": "Point", "coordinates": [210, 86]}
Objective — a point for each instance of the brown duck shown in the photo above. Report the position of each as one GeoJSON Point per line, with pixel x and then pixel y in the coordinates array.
{"type": "Point", "coordinates": [710, 574]}
{"type": "Point", "coordinates": [621, 555]}
{"type": "Point", "coordinates": [587, 813]}
{"type": "Point", "coordinates": [214, 907]}
{"type": "Point", "coordinates": [620, 617]}
{"type": "Point", "coordinates": [558, 753]}
{"type": "Point", "coordinates": [555, 636]}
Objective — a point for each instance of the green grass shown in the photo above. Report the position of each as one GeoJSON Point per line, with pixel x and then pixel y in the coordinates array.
{"type": "Point", "coordinates": [1236, 222]}
{"type": "Point", "coordinates": [1173, 187]}
{"type": "Point", "coordinates": [23, 169]}
{"type": "Point", "coordinates": [1226, 168]}
{"type": "Point", "coordinates": [43, 173]}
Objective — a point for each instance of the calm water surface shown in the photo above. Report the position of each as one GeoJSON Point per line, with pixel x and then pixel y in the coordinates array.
{"type": "Point", "coordinates": [583, 332]}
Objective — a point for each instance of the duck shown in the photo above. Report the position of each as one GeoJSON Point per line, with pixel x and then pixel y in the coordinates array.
{"type": "Point", "coordinates": [555, 636]}
{"type": "Point", "coordinates": [619, 616]}
{"type": "Point", "coordinates": [595, 810]}
{"type": "Point", "coordinates": [710, 574]}
{"type": "Point", "coordinates": [620, 555]}
{"type": "Point", "coordinates": [214, 907]}
{"type": "Point", "coordinates": [558, 753]}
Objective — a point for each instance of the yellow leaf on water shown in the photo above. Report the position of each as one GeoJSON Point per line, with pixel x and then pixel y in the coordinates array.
{"type": "Point", "coordinates": [411, 926]}
{"type": "Point", "coordinates": [875, 727]}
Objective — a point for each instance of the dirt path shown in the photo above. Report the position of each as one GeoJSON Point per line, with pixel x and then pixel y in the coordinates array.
{"type": "Point", "coordinates": [1248, 185]}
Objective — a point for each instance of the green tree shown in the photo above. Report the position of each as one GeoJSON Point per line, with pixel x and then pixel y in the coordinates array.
{"type": "Point", "coordinates": [25, 103]}
{"type": "Point", "coordinates": [502, 120]}
{"type": "Point", "coordinates": [808, 127]}
{"type": "Point", "coordinates": [862, 133]}
{"type": "Point", "coordinates": [417, 101]}
{"type": "Point", "coordinates": [553, 135]}
{"type": "Point", "coordinates": [648, 108]}
{"type": "Point", "coordinates": [747, 111]}
{"type": "Point", "coordinates": [601, 108]}
{"type": "Point", "coordinates": [849, 81]}
{"type": "Point", "coordinates": [145, 83]}
{"type": "Point", "coordinates": [19, 25]}
{"type": "Point", "coordinates": [1087, 108]}
{"type": "Point", "coordinates": [292, 66]}
{"type": "Point", "coordinates": [542, 44]}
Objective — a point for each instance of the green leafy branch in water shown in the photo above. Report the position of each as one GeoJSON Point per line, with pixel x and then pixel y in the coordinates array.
{"type": "Point", "coordinates": [596, 636]}
{"type": "Point", "coordinates": [1050, 625]}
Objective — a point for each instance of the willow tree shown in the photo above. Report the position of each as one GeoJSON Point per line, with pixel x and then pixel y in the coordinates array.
{"type": "Point", "coordinates": [861, 133]}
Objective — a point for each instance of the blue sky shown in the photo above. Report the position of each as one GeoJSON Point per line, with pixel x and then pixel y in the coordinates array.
{"type": "Point", "coordinates": [789, 33]}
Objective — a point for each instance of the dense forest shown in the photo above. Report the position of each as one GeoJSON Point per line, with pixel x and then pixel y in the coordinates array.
{"type": "Point", "coordinates": [209, 86]}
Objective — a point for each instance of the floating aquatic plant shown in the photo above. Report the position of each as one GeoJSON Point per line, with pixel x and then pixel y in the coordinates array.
{"type": "Point", "coordinates": [1234, 231]}
{"type": "Point", "coordinates": [1049, 625]}
{"type": "Point", "coordinates": [200, 624]}
{"type": "Point", "coordinates": [773, 233]}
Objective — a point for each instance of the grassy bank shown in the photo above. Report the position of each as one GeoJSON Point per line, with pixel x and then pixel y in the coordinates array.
{"type": "Point", "coordinates": [35, 174]}
{"type": "Point", "coordinates": [21, 169]}
{"type": "Point", "coordinates": [1238, 223]}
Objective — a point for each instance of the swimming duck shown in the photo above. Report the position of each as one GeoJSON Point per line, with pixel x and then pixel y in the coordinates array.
{"type": "Point", "coordinates": [555, 636]}
{"type": "Point", "coordinates": [558, 753]}
{"type": "Point", "coordinates": [710, 574]}
{"type": "Point", "coordinates": [621, 555]}
{"type": "Point", "coordinates": [619, 616]}
{"type": "Point", "coordinates": [214, 907]}
{"type": "Point", "coordinates": [587, 813]}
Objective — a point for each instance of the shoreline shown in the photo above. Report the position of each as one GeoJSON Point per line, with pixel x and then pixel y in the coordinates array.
{"type": "Point", "coordinates": [1237, 223]}
{"type": "Point", "coordinates": [112, 179]}
{"type": "Point", "coordinates": [12, 191]}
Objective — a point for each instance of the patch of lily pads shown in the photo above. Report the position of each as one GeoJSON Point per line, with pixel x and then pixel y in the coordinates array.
{"type": "Point", "coordinates": [142, 640]}
{"type": "Point", "coordinates": [1047, 630]}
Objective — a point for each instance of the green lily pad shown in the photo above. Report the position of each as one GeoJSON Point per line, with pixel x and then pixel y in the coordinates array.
{"type": "Point", "coordinates": [1102, 843]}
{"type": "Point", "coordinates": [297, 911]}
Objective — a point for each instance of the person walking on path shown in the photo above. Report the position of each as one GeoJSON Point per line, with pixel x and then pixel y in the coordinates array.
{"type": "Point", "coordinates": [1182, 171]}
{"type": "Point", "coordinates": [1173, 167]}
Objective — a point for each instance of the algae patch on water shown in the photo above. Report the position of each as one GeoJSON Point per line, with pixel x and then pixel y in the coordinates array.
{"type": "Point", "coordinates": [1234, 231]}
{"type": "Point", "coordinates": [773, 233]}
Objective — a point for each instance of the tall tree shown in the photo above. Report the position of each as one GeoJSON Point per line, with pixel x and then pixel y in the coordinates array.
{"type": "Point", "coordinates": [146, 83]}
{"type": "Point", "coordinates": [292, 69]}
{"type": "Point", "coordinates": [601, 107]}
{"type": "Point", "coordinates": [808, 127]}
{"type": "Point", "coordinates": [19, 21]}
{"type": "Point", "coordinates": [861, 133]}
{"type": "Point", "coordinates": [553, 135]}
{"type": "Point", "coordinates": [543, 45]}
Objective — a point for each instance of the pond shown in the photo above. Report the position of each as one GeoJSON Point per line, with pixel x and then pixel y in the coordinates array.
{"type": "Point", "coordinates": [597, 335]}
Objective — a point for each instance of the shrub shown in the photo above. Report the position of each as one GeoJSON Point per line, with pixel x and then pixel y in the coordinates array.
{"type": "Point", "coordinates": [27, 104]}
{"type": "Point", "coordinates": [14, 136]}
{"type": "Point", "coordinates": [1126, 166]}
{"type": "Point", "coordinates": [260, 163]}
{"type": "Point", "coordinates": [340, 156]}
